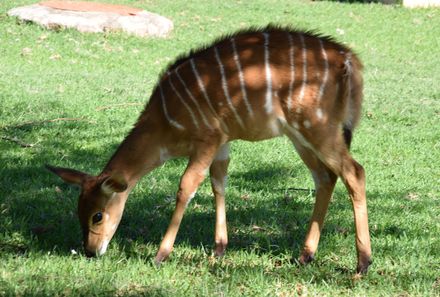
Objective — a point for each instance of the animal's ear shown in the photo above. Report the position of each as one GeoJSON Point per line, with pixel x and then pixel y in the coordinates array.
{"type": "Point", "coordinates": [114, 184]}
{"type": "Point", "coordinates": [70, 176]}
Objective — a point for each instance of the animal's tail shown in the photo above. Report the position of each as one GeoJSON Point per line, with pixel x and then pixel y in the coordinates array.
{"type": "Point", "coordinates": [351, 94]}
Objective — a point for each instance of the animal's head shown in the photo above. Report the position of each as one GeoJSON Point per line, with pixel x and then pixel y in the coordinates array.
{"type": "Point", "coordinates": [100, 206]}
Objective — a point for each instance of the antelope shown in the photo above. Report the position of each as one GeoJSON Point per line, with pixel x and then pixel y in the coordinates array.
{"type": "Point", "coordinates": [253, 85]}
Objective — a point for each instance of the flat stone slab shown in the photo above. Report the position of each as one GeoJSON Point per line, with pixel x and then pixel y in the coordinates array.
{"type": "Point", "coordinates": [91, 6]}
{"type": "Point", "coordinates": [94, 17]}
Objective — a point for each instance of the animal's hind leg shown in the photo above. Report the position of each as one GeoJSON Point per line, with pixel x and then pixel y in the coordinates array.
{"type": "Point", "coordinates": [325, 181]}
{"type": "Point", "coordinates": [353, 176]}
{"type": "Point", "coordinates": [218, 174]}
{"type": "Point", "coordinates": [333, 152]}
{"type": "Point", "coordinates": [337, 157]}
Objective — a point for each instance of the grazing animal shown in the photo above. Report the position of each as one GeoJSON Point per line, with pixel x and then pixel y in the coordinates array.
{"type": "Point", "coordinates": [252, 85]}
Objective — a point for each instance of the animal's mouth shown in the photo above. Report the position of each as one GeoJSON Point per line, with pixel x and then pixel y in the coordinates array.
{"type": "Point", "coordinates": [97, 252]}
{"type": "Point", "coordinates": [89, 254]}
{"type": "Point", "coordinates": [101, 251]}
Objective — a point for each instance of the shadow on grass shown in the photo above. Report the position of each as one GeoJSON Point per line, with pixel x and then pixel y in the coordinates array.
{"type": "Point", "coordinates": [42, 210]}
{"type": "Point", "coordinates": [90, 290]}
{"type": "Point", "coordinates": [39, 215]}
{"type": "Point", "coordinates": [39, 210]}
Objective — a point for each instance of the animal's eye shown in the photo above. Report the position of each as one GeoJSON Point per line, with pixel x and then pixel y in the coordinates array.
{"type": "Point", "coordinates": [97, 217]}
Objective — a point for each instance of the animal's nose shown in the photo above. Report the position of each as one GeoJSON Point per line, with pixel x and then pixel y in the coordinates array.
{"type": "Point", "coordinates": [89, 254]}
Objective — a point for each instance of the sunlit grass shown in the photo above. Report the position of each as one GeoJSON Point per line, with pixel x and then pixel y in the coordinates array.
{"type": "Point", "coordinates": [46, 75]}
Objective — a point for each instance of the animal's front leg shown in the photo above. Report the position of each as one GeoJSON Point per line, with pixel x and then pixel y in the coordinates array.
{"type": "Point", "coordinates": [218, 174]}
{"type": "Point", "coordinates": [194, 174]}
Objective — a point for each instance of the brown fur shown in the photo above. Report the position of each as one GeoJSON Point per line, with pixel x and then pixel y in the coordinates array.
{"type": "Point", "coordinates": [189, 114]}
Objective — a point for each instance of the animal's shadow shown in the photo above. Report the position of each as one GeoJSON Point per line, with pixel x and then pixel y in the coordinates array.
{"type": "Point", "coordinates": [41, 209]}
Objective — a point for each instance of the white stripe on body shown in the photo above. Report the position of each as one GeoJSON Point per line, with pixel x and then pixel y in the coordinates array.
{"type": "Point", "coordinates": [205, 121]}
{"type": "Point", "coordinates": [268, 105]}
{"type": "Point", "coordinates": [241, 77]}
{"type": "Point", "coordinates": [183, 102]}
{"type": "Point", "coordinates": [165, 111]}
{"type": "Point", "coordinates": [319, 113]}
{"type": "Point", "coordinates": [325, 78]}
{"type": "Point", "coordinates": [225, 88]}
{"type": "Point", "coordinates": [292, 72]}
{"type": "Point", "coordinates": [349, 70]}
{"type": "Point", "coordinates": [304, 57]}
{"type": "Point", "coordinates": [202, 87]}
{"type": "Point", "coordinates": [205, 93]}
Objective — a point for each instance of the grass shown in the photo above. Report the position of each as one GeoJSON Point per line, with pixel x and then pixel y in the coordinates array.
{"type": "Point", "coordinates": [48, 75]}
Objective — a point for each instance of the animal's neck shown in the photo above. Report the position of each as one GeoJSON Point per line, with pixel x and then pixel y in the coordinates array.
{"type": "Point", "coordinates": [138, 154]}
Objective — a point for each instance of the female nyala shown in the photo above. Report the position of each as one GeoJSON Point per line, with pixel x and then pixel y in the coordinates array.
{"type": "Point", "coordinates": [251, 85]}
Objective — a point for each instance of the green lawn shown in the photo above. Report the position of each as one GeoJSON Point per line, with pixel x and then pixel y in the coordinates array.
{"type": "Point", "coordinates": [46, 75]}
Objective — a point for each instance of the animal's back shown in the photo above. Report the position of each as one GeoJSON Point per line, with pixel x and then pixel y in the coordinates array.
{"type": "Point", "coordinates": [255, 84]}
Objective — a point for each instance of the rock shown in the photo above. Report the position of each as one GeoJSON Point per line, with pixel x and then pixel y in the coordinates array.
{"type": "Point", "coordinates": [140, 23]}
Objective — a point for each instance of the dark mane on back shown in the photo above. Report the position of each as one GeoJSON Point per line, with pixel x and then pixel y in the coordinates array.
{"type": "Point", "coordinates": [193, 53]}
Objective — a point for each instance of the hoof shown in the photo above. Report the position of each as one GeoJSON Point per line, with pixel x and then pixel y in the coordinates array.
{"type": "Point", "coordinates": [306, 258]}
{"type": "Point", "coordinates": [363, 264]}
{"type": "Point", "coordinates": [159, 259]}
{"type": "Point", "coordinates": [157, 262]}
{"type": "Point", "coordinates": [220, 249]}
